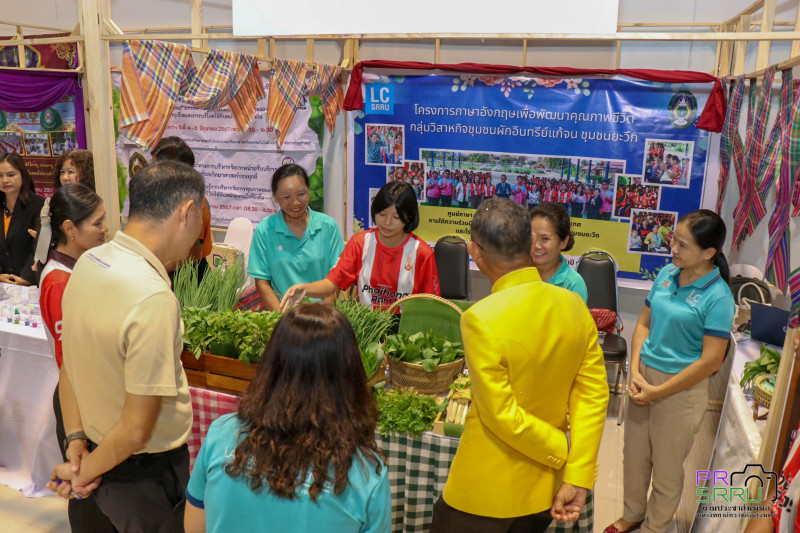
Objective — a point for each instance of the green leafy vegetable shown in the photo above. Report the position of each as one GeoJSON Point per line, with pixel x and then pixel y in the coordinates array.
{"type": "Point", "coordinates": [370, 326]}
{"type": "Point", "coordinates": [244, 333]}
{"type": "Point", "coordinates": [405, 412]}
{"type": "Point", "coordinates": [219, 290]}
{"type": "Point", "coordinates": [426, 349]}
{"type": "Point", "coordinates": [768, 363]}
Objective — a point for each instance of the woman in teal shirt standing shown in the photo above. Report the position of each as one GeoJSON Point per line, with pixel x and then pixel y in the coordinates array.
{"type": "Point", "coordinates": [679, 341]}
{"type": "Point", "coordinates": [294, 245]}
{"type": "Point", "coordinates": [552, 235]}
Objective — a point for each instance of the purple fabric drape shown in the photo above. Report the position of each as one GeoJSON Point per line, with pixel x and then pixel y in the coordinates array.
{"type": "Point", "coordinates": [31, 90]}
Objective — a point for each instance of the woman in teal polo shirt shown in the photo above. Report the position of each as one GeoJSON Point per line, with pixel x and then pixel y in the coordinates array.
{"type": "Point", "coordinates": [680, 340]}
{"type": "Point", "coordinates": [294, 245]}
{"type": "Point", "coordinates": [551, 235]}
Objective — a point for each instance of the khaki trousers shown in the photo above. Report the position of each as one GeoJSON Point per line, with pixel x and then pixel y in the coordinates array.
{"type": "Point", "coordinates": [658, 437]}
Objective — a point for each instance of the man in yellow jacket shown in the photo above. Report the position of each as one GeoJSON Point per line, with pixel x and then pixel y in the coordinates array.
{"type": "Point", "coordinates": [533, 357]}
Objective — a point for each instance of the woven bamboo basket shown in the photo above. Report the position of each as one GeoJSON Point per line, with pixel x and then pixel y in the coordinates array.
{"type": "Point", "coordinates": [759, 394]}
{"type": "Point", "coordinates": [443, 316]}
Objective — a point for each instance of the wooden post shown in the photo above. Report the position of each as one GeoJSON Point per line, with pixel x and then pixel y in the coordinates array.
{"type": "Point", "coordinates": [767, 20]}
{"type": "Point", "coordinates": [741, 46]}
{"type": "Point", "coordinates": [197, 23]}
{"type": "Point", "coordinates": [98, 103]}
{"type": "Point", "coordinates": [21, 49]}
{"type": "Point", "coordinates": [309, 51]}
{"type": "Point", "coordinates": [524, 52]}
{"type": "Point", "coordinates": [261, 47]}
{"type": "Point", "coordinates": [796, 44]}
{"type": "Point", "coordinates": [271, 48]}
{"type": "Point", "coordinates": [436, 51]}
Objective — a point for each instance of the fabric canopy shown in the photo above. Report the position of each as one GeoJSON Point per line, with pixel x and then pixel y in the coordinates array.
{"type": "Point", "coordinates": [23, 91]}
{"type": "Point", "coordinates": [711, 119]}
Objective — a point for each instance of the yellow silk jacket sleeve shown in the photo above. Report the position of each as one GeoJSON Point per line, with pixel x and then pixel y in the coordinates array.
{"type": "Point", "coordinates": [587, 407]}
{"type": "Point", "coordinates": [496, 405]}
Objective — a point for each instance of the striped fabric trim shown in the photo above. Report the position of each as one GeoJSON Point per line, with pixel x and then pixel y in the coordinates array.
{"type": "Point", "coordinates": [326, 83]}
{"type": "Point", "coordinates": [751, 210]}
{"type": "Point", "coordinates": [777, 266]}
{"type": "Point", "coordinates": [153, 76]}
{"type": "Point", "coordinates": [794, 290]}
{"type": "Point", "coordinates": [285, 95]}
{"type": "Point", "coordinates": [730, 134]}
{"type": "Point", "coordinates": [227, 79]}
{"type": "Point", "coordinates": [156, 75]}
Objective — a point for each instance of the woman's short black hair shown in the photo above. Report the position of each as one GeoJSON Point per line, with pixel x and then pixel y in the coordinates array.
{"type": "Point", "coordinates": [558, 216]}
{"type": "Point", "coordinates": [75, 202]}
{"type": "Point", "coordinates": [173, 149]}
{"type": "Point", "coordinates": [287, 171]}
{"type": "Point", "coordinates": [400, 195]}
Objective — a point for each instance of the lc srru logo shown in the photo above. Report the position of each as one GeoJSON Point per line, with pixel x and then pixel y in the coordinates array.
{"type": "Point", "coordinates": [380, 99]}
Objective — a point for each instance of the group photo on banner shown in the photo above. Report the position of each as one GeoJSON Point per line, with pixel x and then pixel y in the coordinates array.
{"type": "Point", "coordinates": [623, 156]}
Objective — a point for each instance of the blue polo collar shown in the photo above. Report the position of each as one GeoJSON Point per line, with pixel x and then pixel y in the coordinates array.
{"type": "Point", "coordinates": [314, 224]}
{"type": "Point", "coordinates": [700, 283]}
{"type": "Point", "coordinates": [560, 275]}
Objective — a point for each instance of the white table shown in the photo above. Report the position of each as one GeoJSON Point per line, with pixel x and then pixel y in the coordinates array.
{"type": "Point", "coordinates": [738, 439]}
{"type": "Point", "coordinates": [28, 376]}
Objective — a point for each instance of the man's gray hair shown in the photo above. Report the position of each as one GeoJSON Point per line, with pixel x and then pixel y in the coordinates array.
{"type": "Point", "coordinates": [502, 229]}
{"type": "Point", "coordinates": [157, 190]}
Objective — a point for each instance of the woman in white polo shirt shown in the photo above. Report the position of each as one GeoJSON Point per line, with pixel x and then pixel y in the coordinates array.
{"type": "Point", "coordinates": [680, 340]}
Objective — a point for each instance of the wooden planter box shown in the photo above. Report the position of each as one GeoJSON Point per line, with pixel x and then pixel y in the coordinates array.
{"type": "Point", "coordinates": [217, 373]}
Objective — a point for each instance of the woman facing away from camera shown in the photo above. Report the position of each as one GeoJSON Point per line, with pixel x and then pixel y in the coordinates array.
{"type": "Point", "coordinates": [300, 453]}
{"type": "Point", "coordinates": [679, 341]}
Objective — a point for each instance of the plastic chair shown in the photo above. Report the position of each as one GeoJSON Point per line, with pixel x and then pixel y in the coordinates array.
{"type": "Point", "coordinates": [599, 270]}
{"type": "Point", "coordinates": [239, 234]}
{"type": "Point", "coordinates": [452, 263]}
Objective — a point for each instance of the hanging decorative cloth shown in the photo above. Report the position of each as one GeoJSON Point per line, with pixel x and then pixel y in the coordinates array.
{"type": "Point", "coordinates": [285, 95]}
{"type": "Point", "coordinates": [777, 266]}
{"type": "Point", "coordinates": [750, 210]}
{"type": "Point", "coordinates": [326, 83]}
{"type": "Point", "coordinates": [227, 79]}
{"type": "Point", "coordinates": [730, 135]}
{"type": "Point", "coordinates": [794, 290]}
{"type": "Point", "coordinates": [795, 167]}
{"type": "Point", "coordinates": [154, 74]}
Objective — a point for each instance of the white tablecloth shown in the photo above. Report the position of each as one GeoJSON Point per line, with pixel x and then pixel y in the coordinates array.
{"type": "Point", "coordinates": [28, 377]}
{"type": "Point", "coordinates": [738, 439]}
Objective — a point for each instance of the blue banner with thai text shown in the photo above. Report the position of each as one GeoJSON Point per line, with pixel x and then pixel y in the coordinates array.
{"type": "Point", "coordinates": [624, 157]}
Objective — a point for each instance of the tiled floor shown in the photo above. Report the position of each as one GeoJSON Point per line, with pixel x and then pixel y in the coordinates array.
{"type": "Point", "coordinates": [19, 514]}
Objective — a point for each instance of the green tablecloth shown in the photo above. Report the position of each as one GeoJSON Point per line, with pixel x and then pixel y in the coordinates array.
{"type": "Point", "coordinates": [418, 468]}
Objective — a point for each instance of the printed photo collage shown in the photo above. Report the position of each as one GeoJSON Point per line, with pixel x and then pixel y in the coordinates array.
{"type": "Point", "coordinates": [589, 188]}
{"type": "Point", "coordinates": [50, 144]}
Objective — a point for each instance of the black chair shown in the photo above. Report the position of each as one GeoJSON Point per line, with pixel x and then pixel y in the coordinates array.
{"type": "Point", "coordinates": [599, 270]}
{"type": "Point", "coordinates": [452, 262]}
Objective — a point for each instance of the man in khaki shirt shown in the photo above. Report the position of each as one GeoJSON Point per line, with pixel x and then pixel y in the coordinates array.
{"type": "Point", "coordinates": [124, 395]}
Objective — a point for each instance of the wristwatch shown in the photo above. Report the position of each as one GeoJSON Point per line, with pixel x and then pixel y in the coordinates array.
{"type": "Point", "coordinates": [75, 436]}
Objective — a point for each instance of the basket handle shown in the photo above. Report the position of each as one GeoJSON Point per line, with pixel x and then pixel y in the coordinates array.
{"type": "Point", "coordinates": [422, 296]}
{"type": "Point", "coordinates": [758, 289]}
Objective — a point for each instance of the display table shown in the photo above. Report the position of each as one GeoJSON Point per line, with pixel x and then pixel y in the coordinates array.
{"type": "Point", "coordinates": [738, 439]}
{"type": "Point", "coordinates": [28, 376]}
{"type": "Point", "coordinates": [418, 467]}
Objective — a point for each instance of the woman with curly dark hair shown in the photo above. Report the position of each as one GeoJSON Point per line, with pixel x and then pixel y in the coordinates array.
{"type": "Point", "coordinates": [75, 166]}
{"type": "Point", "coordinates": [300, 454]}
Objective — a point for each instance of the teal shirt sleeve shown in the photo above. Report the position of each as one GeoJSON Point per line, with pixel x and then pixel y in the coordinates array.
{"type": "Point", "coordinates": [196, 489]}
{"type": "Point", "coordinates": [379, 506]}
{"type": "Point", "coordinates": [579, 286]}
{"type": "Point", "coordinates": [258, 264]}
{"type": "Point", "coordinates": [719, 316]}
{"type": "Point", "coordinates": [336, 246]}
